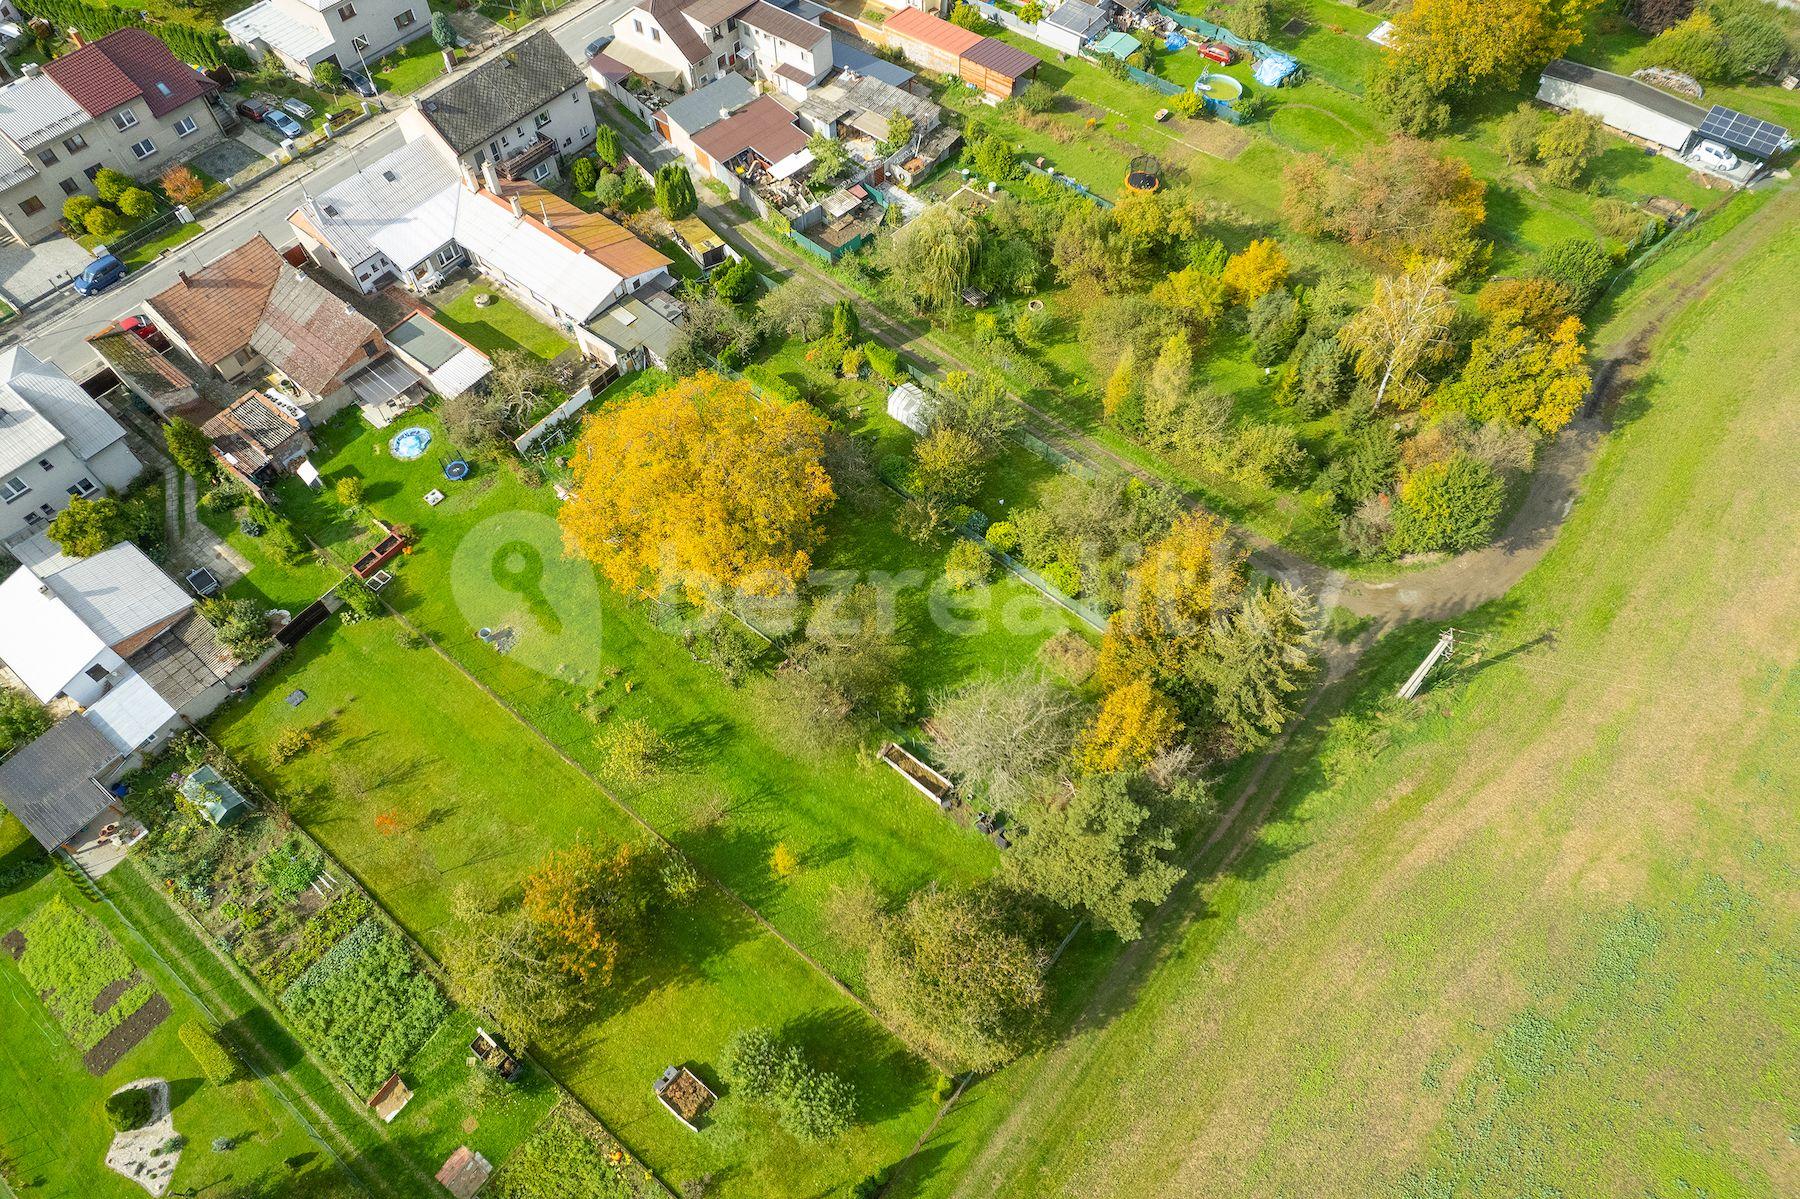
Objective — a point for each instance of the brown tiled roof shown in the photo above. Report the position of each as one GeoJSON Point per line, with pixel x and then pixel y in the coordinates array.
{"type": "Point", "coordinates": [932, 31]}
{"type": "Point", "coordinates": [784, 25]}
{"type": "Point", "coordinates": [123, 66]}
{"type": "Point", "coordinates": [788, 70]}
{"type": "Point", "coordinates": [216, 309]}
{"type": "Point", "coordinates": [669, 15]}
{"type": "Point", "coordinates": [606, 241]}
{"type": "Point", "coordinates": [1001, 58]}
{"type": "Point", "coordinates": [250, 431]}
{"type": "Point", "coordinates": [251, 298]}
{"type": "Point", "coordinates": [711, 12]}
{"type": "Point", "coordinates": [762, 125]}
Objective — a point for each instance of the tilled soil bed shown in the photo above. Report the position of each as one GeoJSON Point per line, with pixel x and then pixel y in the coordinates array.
{"type": "Point", "coordinates": [121, 1040]}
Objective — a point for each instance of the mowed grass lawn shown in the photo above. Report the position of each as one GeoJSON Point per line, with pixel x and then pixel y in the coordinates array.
{"type": "Point", "coordinates": [1541, 943]}
{"type": "Point", "coordinates": [502, 325]}
{"type": "Point", "coordinates": [479, 800]}
{"type": "Point", "coordinates": [53, 1130]}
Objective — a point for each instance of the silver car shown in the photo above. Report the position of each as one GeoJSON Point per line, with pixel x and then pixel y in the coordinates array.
{"type": "Point", "coordinates": [299, 108]}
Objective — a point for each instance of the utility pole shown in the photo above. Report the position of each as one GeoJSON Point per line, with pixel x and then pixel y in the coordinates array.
{"type": "Point", "coordinates": [1446, 642]}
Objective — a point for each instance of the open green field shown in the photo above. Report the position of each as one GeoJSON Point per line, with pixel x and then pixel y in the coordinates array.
{"type": "Point", "coordinates": [1533, 935]}
{"type": "Point", "coordinates": [53, 1132]}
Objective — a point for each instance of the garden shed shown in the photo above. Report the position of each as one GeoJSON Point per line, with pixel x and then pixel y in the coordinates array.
{"type": "Point", "coordinates": [218, 799]}
{"type": "Point", "coordinates": [1120, 45]}
{"type": "Point", "coordinates": [464, 1172]}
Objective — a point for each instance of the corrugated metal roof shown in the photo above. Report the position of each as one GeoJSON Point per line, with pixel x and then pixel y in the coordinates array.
{"type": "Point", "coordinates": [932, 31]}
{"type": "Point", "coordinates": [27, 380]}
{"type": "Point", "coordinates": [1000, 58]}
{"type": "Point", "coordinates": [131, 713]}
{"type": "Point", "coordinates": [469, 367]}
{"type": "Point", "coordinates": [117, 592]}
{"type": "Point", "coordinates": [34, 110]}
{"type": "Point", "coordinates": [49, 785]}
{"type": "Point", "coordinates": [267, 22]}
{"type": "Point", "coordinates": [379, 197]}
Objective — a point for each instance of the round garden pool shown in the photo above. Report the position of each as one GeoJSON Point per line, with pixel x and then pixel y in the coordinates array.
{"type": "Point", "coordinates": [1219, 87]}
{"type": "Point", "coordinates": [410, 442]}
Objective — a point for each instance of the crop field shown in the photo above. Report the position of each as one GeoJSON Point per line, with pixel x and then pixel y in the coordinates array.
{"type": "Point", "coordinates": [1534, 935]}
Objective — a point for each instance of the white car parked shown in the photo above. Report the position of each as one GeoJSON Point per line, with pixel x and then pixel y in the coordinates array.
{"type": "Point", "coordinates": [1713, 156]}
{"type": "Point", "coordinates": [299, 108]}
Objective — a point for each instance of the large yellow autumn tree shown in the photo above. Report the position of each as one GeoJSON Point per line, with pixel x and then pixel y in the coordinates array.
{"type": "Point", "coordinates": [1468, 45]}
{"type": "Point", "coordinates": [1192, 575]}
{"type": "Point", "coordinates": [699, 486]}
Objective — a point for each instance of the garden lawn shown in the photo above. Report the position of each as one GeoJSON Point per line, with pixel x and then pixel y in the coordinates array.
{"type": "Point", "coordinates": [146, 252]}
{"type": "Point", "coordinates": [502, 325]}
{"type": "Point", "coordinates": [1533, 935]}
{"type": "Point", "coordinates": [479, 800]}
{"type": "Point", "coordinates": [410, 67]}
{"type": "Point", "coordinates": [53, 1132]}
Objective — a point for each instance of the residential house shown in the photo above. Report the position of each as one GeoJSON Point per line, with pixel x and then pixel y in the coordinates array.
{"type": "Point", "coordinates": [999, 70]}
{"type": "Point", "coordinates": [759, 144]}
{"type": "Point", "coordinates": [118, 642]}
{"type": "Point", "coordinates": [521, 110]}
{"type": "Point", "coordinates": [860, 109]}
{"type": "Point", "coordinates": [56, 444]}
{"type": "Point", "coordinates": [257, 440]}
{"type": "Point", "coordinates": [681, 119]}
{"type": "Point", "coordinates": [250, 316]}
{"type": "Point", "coordinates": [123, 102]}
{"type": "Point", "coordinates": [412, 217]}
{"type": "Point", "coordinates": [351, 34]}
{"type": "Point", "coordinates": [686, 45]}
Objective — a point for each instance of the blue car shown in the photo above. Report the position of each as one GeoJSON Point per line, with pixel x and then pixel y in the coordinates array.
{"type": "Point", "coordinates": [99, 275]}
{"type": "Point", "coordinates": [283, 124]}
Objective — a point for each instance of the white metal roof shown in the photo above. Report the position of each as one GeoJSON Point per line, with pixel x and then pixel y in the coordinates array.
{"type": "Point", "coordinates": [533, 259]}
{"type": "Point", "coordinates": [131, 713]}
{"type": "Point", "coordinates": [390, 198]}
{"type": "Point", "coordinates": [40, 406]}
{"type": "Point", "coordinates": [41, 638]}
{"type": "Point", "coordinates": [462, 372]}
{"type": "Point", "coordinates": [33, 110]}
{"type": "Point", "coordinates": [266, 22]}
{"type": "Point", "coordinates": [115, 593]}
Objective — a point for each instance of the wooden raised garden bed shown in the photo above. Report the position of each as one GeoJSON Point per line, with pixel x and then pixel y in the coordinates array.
{"type": "Point", "coordinates": [378, 557]}
{"type": "Point", "coordinates": [930, 783]}
{"type": "Point", "coordinates": [686, 1097]}
{"type": "Point", "coordinates": [491, 1051]}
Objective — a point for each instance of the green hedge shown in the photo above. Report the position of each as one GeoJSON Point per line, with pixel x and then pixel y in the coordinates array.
{"type": "Point", "coordinates": [194, 44]}
{"type": "Point", "coordinates": [131, 1109]}
{"type": "Point", "coordinates": [212, 1058]}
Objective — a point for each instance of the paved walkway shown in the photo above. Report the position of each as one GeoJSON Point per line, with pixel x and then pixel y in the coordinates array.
{"type": "Point", "coordinates": [188, 544]}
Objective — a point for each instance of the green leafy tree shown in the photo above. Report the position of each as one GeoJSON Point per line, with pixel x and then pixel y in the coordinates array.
{"type": "Point", "coordinates": [111, 184]}
{"type": "Point", "coordinates": [240, 623]}
{"type": "Point", "coordinates": [1104, 851]}
{"type": "Point", "coordinates": [1004, 735]}
{"type": "Point", "coordinates": [442, 31]}
{"type": "Point", "coordinates": [583, 173]}
{"type": "Point", "coordinates": [1276, 322]}
{"type": "Point", "coordinates": [994, 158]}
{"type": "Point", "coordinates": [675, 196]}
{"type": "Point", "coordinates": [104, 222]}
{"type": "Point", "coordinates": [86, 527]}
{"type": "Point", "coordinates": [900, 133]}
{"type": "Point", "coordinates": [932, 257]}
{"type": "Point", "coordinates": [500, 964]}
{"type": "Point", "coordinates": [1517, 134]}
{"type": "Point", "coordinates": [1405, 324]}
{"type": "Point", "coordinates": [76, 208]}
{"type": "Point", "coordinates": [137, 203]}
{"type": "Point", "coordinates": [735, 282]}
{"type": "Point", "coordinates": [1567, 145]}
{"type": "Point", "coordinates": [608, 146]}
{"type": "Point", "coordinates": [1449, 505]}
{"type": "Point", "coordinates": [188, 448]}
{"type": "Point", "coordinates": [960, 973]}
{"type": "Point", "coordinates": [810, 1103]}
{"type": "Point", "coordinates": [329, 76]}
{"type": "Point", "coordinates": [1259, 662]}
{"type": "Point", "coordinates": [967, 566]}
{"type": "Point", "coordinates": [22, 719]}
{"type": "Point", "coordinates": [1405, 95]}
{"type": "Point", "coordinates": [830, 159]}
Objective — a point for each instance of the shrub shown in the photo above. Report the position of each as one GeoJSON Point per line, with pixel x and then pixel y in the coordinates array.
{"type": "Point", "coordinates": [1185, 104]}
{"type": "Point", "coordinates": [811, 1104]}
{"type": "Point", "coordinates": [102, 221]}
{"type": "Point", "coordinates": [76, 208]}
{"type": "Point", "coordinates": [136, 203]}
{"type": "Point", "coordinates": [1580, 264]}
{"type": "Point", "coordinates": [86, 527]}
{"type": "Point", "coordinates": [968, 566]}
{"type": "Point", "coordinates": [735, 282]}
{"type": "Point", "coordinates": [1038, 97]}
{"type": "Point", "coordinates": [329, 76]}
{"type": "Point", "coordinates": [1450, 505]}
{"type": "Point", "coordinates": [240, 624]}
{"type": "Point", "coordinates": [22, 719]}
{"type": "Point", "coordinates": [583, 173]}
{"type": "Point", "coordinates": [111, 184]}
{"type": "Point", "coordinates": [289, 744]}
{"type": "Point", "coordinates": [203, 1046]}
{"type": "Point", "coordinates": [189, 448]}
{"type": "Point", "coordinates": [634, 750]}
{"type": "Point", "coordinates": [130, 1109]}
{"type": "Point", "coordinates": [1063, 577]}
{"type": "Point", "coordinates": [884, 361]}
{"type": "Point", "coordinates": [1003, 535]}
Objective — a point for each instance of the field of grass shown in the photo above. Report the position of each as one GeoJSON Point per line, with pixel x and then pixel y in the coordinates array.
{"type": "Point", "coordinates": [410, 67]}
{"type": "Point", "coordinates": [502, 325]}
{"type": "Point", "coordinates": [53, 1133]}
{"type": "Point", "coordinates": [1532, 935]}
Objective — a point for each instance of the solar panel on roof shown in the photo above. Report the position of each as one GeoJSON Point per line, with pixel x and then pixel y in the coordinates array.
{"type": "Point", "coordinates": [1742, 132]}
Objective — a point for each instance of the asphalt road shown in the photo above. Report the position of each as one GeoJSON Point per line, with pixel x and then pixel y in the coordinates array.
{"type": "Point", "coordinates": [57, 329]}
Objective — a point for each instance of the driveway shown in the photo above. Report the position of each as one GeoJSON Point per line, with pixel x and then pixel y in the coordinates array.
{"type": "Point", "coordinates": [27, 272]}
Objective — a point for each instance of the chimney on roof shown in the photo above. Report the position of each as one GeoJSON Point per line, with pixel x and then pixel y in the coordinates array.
{"type": "Point", "coordinates": [75, 38]}
{"type": "Point", "coordinates": [518, 208]}
{"type": "Point", "coordinates": [468, 178]}
{"type": "Point", "coordinates": [489, 176]}
{"type": "Point", "coordinates": [32, 70]}
{"type": "Point", "coordinates": [182, 275]}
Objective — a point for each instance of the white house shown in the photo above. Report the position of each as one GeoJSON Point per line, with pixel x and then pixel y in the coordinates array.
{"type": "Point", "coordinates": [688, 45]}
{"type": "Point", "coordinates": [114, 637]}
{"type": "Point", "coordinates": [353, 34]}
{"type": "Point", "coordinates": [522, 110]}
{"type": "Point", "coordinates": [1628, 105]}
{"type": "Point", "coordinates": [56, 444]}
{"type": "Point", "coordinates": [413, 217]}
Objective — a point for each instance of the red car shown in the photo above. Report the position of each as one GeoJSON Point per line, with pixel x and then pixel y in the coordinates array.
{"type": "Point", "coordinates": [1219, 54]}
{"type": "Point", "coordinates": [254, 110]}
{"type": "Point", "coordinates": [142, 328]}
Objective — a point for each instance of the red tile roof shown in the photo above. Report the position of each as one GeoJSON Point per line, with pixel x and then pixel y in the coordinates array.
{"type": "Point", "coordinates": [123, 66]}
{"type": "Point", "coordinates": [762, 125]}
{"type": "Point", "coordinates": [932, 31]}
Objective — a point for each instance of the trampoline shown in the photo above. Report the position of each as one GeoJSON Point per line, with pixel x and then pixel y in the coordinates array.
{"type": "Point", "coordinates": [410, 442]}
{"type": "Point", "coordinates": [1144, 174]}
{"type": "Point", "coordinates": [456, 469]}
